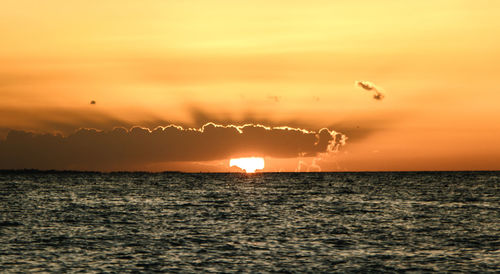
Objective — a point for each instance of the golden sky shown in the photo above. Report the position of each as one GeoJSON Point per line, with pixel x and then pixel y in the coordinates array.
{"type": "Point", "coordinates": [278, 63]}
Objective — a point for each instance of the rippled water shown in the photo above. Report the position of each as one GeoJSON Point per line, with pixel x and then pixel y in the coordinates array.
{"type": "Point", "coordinates": [286, 222]}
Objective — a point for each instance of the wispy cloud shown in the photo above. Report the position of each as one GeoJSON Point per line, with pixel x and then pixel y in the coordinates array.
{"type": "Point", "coordinates": [377, 91]}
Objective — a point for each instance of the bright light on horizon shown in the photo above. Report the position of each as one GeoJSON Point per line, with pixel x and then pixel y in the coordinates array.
{"type": "Point", "coordinates": [249, 164]}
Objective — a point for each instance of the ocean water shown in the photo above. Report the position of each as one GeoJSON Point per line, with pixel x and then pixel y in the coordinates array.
{"type": "Point", "coordinates": [272, 222]}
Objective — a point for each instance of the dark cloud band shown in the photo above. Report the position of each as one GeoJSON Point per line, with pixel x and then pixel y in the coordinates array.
{"type": "Point", "coordinates": [90, 149]}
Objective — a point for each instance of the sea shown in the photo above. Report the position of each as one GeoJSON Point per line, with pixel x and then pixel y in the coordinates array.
{"type": "Point", "coordinates": [265, 222]}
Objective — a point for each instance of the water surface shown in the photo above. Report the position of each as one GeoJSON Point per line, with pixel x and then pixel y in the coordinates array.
{"type": "Point", "coordinates": [273, 222]}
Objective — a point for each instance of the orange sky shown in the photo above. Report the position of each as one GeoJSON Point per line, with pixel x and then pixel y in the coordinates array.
{"type": "Point", "coordinates": [152, 63]}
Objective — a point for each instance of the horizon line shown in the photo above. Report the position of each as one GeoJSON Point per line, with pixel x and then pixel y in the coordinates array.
{"type": "Point", "coordinates": [29, 170]}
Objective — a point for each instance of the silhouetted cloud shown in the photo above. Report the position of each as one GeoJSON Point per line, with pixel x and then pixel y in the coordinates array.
{"type": "Point", "coordinates": [377, 91]}
{"type": "Point", "coordinates": [118, 149]}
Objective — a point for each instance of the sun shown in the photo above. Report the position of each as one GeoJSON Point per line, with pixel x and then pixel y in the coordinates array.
{"type": "Point", "coordinates": [250, 164]}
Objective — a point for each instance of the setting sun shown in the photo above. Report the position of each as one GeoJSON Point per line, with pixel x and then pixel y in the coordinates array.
{"type": "Point", "coordinates": [248, 164]}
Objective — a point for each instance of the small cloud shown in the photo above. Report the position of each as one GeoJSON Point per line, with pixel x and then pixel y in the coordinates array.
{"type": "Point", "coordinates": [276, 99]}
{"type": "Point", "coordinates": [368, 86]}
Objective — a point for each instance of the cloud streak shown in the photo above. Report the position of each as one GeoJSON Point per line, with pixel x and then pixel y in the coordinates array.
{"type": "Point", "coordinates": [377, 91]}
{"type": "Point", "coordinates": [122, 149]}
